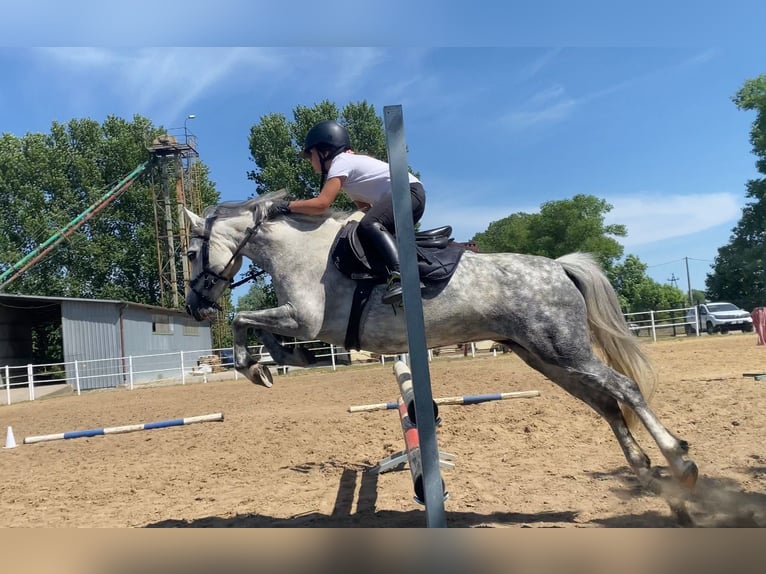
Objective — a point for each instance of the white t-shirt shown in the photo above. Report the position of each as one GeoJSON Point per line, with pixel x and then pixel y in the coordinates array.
{"type": "Point", "coordinates": [367, 179]}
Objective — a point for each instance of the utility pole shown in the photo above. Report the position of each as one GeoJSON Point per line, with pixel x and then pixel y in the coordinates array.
{"type": "Point", "coordinates": [688, 281]}
{"type": "Point", "coordinates": [673, 279]}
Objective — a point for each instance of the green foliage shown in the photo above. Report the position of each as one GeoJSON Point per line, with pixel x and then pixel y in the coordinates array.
{"type": "Point", "coordinates": [637, 292]}
{"type": "Point", "coordinates": [752, 97]}
{"type": "Point", "coordinates": [653, 296]}
{"type": "Point", "coordinates": [739, 269]}
{"type": "Point", "coordinates": [559, 228]}
{"type": "Point", "coordinates": [261, 295]}
{"type": "Point", "coordinates": [47, 180]}
{"type": "Point", "coordinates": [698, 296]}
{"type": "Point", "coordinates": [627, 278]}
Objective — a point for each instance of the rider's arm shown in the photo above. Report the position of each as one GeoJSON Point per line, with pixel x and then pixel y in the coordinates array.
{"type": "Point", "coordinates": [319, 204]}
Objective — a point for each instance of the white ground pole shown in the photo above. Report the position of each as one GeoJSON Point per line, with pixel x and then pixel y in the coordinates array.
{"type": "Point", "coordinates": [413, 310]}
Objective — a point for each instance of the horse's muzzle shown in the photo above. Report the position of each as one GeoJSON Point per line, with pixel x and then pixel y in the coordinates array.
{"type": "Point", "coordinates": [200, 306]}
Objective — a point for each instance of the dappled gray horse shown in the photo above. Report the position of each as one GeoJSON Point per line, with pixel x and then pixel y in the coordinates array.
{"type": "Point", "coordinates": [549, 312]}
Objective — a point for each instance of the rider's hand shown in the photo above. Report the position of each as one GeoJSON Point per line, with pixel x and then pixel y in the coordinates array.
{"type": "Point", "coordinates": [279, 207]}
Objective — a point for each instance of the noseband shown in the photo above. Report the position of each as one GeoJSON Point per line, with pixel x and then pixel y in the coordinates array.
{"type": "Point", "coordinates": [209, 278]}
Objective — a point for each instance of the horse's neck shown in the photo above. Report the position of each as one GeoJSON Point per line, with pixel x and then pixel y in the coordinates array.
{"type": "Point", "coordinates": [286, 245]}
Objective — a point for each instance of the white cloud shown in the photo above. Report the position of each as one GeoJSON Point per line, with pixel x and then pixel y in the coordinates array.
{"type": "Point", "coordinates": [161, 82]}
{"type": "Point", "coordinates": [547, 114]}
{"type": "Point", "coordinates": [535, 66]}
{"type": "Point", "coordinates": [552, 93]}
{"type": "Point", "coordinates": [354, 65]}
{"type": "Point", "coordinates": [553, 105]}
{"type": "Point", "coordinates": [653, 217]}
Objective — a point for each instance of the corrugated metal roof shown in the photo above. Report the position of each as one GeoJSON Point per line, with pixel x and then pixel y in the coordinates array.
{"type": "Point", "coordinates": [18, 297]}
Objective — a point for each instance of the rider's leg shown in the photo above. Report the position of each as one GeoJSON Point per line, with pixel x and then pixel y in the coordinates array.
{"type": "Point", "coordinates": [384, 245]}
{"type": "Point", "coordinates": [376, 230]}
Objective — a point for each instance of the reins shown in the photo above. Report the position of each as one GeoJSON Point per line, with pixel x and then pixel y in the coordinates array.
{"type": "Point", "coordinates": [210, 278]}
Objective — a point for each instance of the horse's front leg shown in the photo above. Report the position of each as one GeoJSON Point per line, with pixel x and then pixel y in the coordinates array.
{"type": "Point", "coordinates": [264, 322]}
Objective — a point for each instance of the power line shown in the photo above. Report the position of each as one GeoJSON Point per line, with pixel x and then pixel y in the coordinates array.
{"type": "Point", "coordinates": [667, 263]}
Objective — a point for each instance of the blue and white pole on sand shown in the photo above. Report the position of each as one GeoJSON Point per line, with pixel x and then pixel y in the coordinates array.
{"type": "Point", "coordinates": [124, 429]}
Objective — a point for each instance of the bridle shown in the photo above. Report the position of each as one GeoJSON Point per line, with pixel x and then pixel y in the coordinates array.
{"type": "Point", "coordinates": [209, 278]}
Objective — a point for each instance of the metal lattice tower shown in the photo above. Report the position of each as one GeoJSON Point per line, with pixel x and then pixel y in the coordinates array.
{"type": "Point", "coordinates": [174, 186]}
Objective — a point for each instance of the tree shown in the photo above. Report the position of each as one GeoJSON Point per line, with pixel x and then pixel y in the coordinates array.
{"type": "Point", "coordinates": [261, 295]}
{"type": "Point", "coordinates": [627, 278]}
{"type": "Point", "coordinates": [561, 227]}
{"type": "Point", "coordinates": [739, 269]}
{"type": "Point", "coordinates": [637, 292]}
{"type": "Point", "coordinates": [653, 296]}
{"type": "Point", "coordinates": [698, 296]}
{"type": "Point", "coordinates": [46, 180]}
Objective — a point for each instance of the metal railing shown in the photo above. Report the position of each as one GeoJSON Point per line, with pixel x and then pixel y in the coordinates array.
{"type": "Point", "coordinates": [668, 322]}
{"type": "Point", "coordinates": [32, 381]}
{"type": "Point", "coordinates": [29, 381]}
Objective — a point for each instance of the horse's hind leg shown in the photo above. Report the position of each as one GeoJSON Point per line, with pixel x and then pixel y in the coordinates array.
{"type": "Point", "coordinates": [627, 392]}
{"type": "Point", "coordinates": [596, 376]}
{"type": "Point", "coordinates": [672, 448]}
{"type": "Point", "coordinates": [639, 461]}
{"type": "Point", "coordinates": [601, 388]}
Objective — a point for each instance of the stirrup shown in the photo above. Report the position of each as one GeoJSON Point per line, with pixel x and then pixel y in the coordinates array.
{"type": "Point", "coordinates": [393, 294]}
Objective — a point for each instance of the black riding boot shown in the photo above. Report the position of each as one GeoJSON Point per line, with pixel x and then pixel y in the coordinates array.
{"type": "Point", "coordinates": [385, 248]}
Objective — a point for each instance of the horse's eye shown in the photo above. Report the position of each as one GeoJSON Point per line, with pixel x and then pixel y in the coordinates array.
{"type": "Point", "coordinates": [190, 255]}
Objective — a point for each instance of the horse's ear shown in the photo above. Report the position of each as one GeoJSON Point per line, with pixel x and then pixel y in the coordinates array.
{"type": "Point", "coordinates": [194, 219]}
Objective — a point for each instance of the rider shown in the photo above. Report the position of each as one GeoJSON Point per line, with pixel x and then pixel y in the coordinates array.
{"type": "Point", "coordinates": [368, 182]}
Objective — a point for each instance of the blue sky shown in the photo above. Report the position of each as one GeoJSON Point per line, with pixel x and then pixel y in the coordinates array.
{"type": "Point", "coordinates": [494, 127]}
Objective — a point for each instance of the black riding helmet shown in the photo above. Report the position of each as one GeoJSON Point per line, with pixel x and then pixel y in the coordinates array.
{"type": "Point", "coordinates": [328, 136]}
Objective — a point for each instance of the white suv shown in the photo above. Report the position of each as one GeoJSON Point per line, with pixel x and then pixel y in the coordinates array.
{"type": "Point", "coordinates": [719, 318]}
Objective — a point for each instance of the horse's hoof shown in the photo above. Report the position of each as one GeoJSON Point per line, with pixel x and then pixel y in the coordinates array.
{"type": "Point", "coordinates": [259, 374]}
{"type": "Point", "coordinates": [689, 475]}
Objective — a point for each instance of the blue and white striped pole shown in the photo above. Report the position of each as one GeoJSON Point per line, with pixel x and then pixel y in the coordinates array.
{"type": "Point", "coordinates": [124, 429]}
{"type": "Point", "coordinates": [459, 400]}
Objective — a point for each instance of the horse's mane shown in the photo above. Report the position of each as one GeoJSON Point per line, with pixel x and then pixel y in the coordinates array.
{"type": "Point", "coordinates": [233, 208]}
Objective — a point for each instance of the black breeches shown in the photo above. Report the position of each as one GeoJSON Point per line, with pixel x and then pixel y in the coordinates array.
{"type": "Point", "coordinates": [383, 211]}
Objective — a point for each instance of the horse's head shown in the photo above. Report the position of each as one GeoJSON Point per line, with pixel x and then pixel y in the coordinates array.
{"type": "Point", "coordinates": [216, 242]}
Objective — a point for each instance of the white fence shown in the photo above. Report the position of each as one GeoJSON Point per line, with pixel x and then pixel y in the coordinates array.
{"type": "Point", "coordinates": [28, 382]}
{"type": "Point", "coordinates": [669, 322]}
{"type": "Point", "coordinates": [24, 382]}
